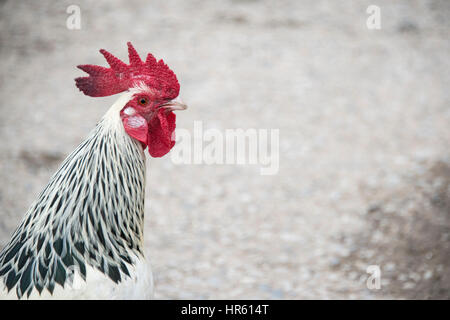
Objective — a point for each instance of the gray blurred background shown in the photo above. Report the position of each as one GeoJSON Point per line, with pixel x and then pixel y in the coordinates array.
{"type": "Point", "coordinates": [364, 124]}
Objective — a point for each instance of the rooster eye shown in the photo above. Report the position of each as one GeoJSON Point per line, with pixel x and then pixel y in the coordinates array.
{"type": "Point", "coordinates": [143, 101]}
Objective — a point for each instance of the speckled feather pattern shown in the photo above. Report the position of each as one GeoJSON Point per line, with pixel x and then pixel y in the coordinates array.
{"type": "Point", "coordinates": [88, 219]}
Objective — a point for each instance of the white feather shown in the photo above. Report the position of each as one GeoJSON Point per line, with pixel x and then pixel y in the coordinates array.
{"type": "Point", "coordinates": [67, 220]}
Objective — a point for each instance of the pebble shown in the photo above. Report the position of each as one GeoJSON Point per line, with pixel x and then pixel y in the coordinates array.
{"type": "Point", "coordinates": [428, 274]}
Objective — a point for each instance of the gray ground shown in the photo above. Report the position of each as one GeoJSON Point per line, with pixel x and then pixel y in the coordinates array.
{"type": "Point", "coordinates": [364, 123]}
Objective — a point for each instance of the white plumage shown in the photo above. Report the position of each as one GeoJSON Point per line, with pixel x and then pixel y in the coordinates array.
{"type": "Point", "coordinates": [83, 236]}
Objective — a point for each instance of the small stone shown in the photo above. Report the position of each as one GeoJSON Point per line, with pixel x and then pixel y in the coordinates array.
{"type": "Point", "coordinates": [373, 208]}
{"type": "Point", "coordinates": [428, 274]}
{"type": "Point", "coordinates": [385, 282]}
{"type": "Point", "coordinates": [335, 262]}
{"type": "Point", "coordinates": [409, 285]}
{"type": "Point", "coordinates": [401, 277]}
{"type": "Point", "coordinates": [415, 276]}
{"type": "Point", "coordinates": [407, 26]}
{"type": "Point", "coordinates": [389, 267]}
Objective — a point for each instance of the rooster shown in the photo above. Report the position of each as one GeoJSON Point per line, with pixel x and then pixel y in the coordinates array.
{"type": "Point", "coordinates": [83, 236]}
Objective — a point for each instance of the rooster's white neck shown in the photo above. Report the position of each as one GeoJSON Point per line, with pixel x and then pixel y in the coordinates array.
{"type": "Point", "coordinates": [90, 213]}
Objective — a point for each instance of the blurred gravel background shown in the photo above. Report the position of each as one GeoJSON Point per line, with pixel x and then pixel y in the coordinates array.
{"type": "Point", "coordinates": [364, 123]}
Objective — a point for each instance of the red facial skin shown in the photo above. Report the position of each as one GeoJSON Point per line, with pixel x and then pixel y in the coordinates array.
{"type": "Point", "coordinates": [146, 120]}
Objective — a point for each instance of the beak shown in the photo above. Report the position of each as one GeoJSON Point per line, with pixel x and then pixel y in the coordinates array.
{"type": "Point", "coordinates": [174, 105]}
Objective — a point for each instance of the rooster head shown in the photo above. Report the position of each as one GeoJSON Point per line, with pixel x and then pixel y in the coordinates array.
{"type": "Point", "coordinates": [148, 117]}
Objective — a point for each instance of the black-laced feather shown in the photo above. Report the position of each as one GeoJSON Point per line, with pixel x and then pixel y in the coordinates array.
{"type": "Point", "coordinates": [89, 214]}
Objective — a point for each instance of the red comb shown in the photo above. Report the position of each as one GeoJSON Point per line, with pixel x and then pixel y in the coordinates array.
{"type": "Point", "coordinates": [120, 77]}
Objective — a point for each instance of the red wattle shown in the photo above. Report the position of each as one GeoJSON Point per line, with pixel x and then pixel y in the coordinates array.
{"type": "Point", "coordinates": [160, 131]}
